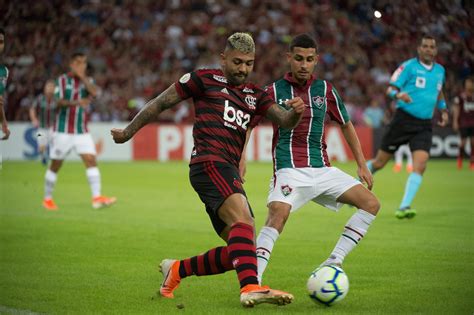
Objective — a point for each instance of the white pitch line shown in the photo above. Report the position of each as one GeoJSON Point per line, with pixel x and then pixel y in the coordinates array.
{"type": "Point", "coordinates": [15, 311]}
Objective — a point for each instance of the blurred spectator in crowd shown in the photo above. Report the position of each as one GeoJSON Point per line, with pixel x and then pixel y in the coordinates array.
{"type": "Point", "coordinates": [374, 114]}
{"type": "Point", "coordinates": [137, 48]}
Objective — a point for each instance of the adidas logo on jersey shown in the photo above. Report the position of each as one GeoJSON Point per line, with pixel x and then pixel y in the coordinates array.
{"type": "Point", "coordinates": [247, 90]}
{"type": "Point", "coordinates": [224, 90]}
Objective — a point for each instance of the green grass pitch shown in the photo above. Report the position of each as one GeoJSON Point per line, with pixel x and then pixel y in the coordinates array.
{"type": "Point", "coordinates": [81, 261]}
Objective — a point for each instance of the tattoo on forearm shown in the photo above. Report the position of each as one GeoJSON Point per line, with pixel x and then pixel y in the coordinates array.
{"type": "Point", "coordinates": [284, 118]}
{"type": "Point", "coordinates": [153, 108]}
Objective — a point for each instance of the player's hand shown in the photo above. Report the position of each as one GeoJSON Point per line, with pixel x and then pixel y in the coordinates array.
{"type": "Point", "coordinates": [79, 71]}
{"type": "Point", "coordinates": [84, 102]}
{"type": "Point", "coordinates": [404, 97]}
{"type": "Point", "coordinates": [120, 135]}
{"type": "Point", "coordinates": [444, 119]}
{"type": "Point", "coordinates": [297, 104]}
{"type": "Point", "coordinates": [365, 176]}
{"type": "Point", "coordinates": [6, 131]}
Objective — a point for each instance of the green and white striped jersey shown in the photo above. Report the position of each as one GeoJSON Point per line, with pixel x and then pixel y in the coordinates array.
{"type": "Point", "coordinates": [305, 146]}
{"type": "Point", "coordinates": [70, 119]}
{"type": "Point", "coordinates": [46, 110]}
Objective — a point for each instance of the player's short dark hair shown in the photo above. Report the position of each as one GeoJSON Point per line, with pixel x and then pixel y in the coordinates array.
{"type": "Point", "coordinates": [303, 41]}
{"type": "Point", "coordinates": [77, 54]}
{"type": "Point", "coordinates": [426, 36]}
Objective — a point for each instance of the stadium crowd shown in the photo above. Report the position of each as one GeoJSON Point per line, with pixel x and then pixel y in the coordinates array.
{"type": "Point", "coordinates": [137, 48]}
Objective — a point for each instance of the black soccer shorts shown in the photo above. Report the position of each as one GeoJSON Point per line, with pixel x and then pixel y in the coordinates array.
{"type": "Point", "coordinates": [466, 132]}
{"type": "Point", "coordinates": [404, 128]}
{"type": "Point", "coordinates": [214, 182]}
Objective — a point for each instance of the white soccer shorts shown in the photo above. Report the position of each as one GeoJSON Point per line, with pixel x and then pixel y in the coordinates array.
{"type": "Point", "coordinates": [43, 136]}
{"type": "Point", "coordinates": [298, 186]}
{"type": "Point", "coordinates": [62, 143]}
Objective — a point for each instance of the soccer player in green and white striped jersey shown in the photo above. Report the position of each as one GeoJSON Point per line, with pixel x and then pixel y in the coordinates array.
{"type": "Point", "coordinates": [42, 114]}
{"type": "Point", "coordinates": [73, 92]}
{"type": "Point", "coordinates": [3, 85]}
{"type": "Point", "coordinates": [302, 171]}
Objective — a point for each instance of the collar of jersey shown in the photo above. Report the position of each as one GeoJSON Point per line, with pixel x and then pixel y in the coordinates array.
{"type": "Point", "coordinates": [425, 66]}
{"type": "Point", "coordinates": [289, 77]}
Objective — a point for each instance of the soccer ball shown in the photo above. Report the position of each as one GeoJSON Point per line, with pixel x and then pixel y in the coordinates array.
{"type": "Point", "coordinates": [328, 285]}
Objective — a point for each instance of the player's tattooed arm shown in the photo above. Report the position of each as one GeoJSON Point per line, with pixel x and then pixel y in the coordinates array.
{"type": "Point", "coordinates": [287, 118]}
{"type": "Point", "coordinates": [149, 113]}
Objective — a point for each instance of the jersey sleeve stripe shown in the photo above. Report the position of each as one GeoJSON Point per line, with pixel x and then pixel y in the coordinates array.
{"type": "Point", "coordinates": [186, 90]}
{"type": "Point", "coordinates": [337, 106]}
{"type": "Point", "coordinates": [198, 82]}
{"type": "Point", "coordinates": [274, 92]}
{"type": "Point", "coordinates": [193, 86]}
{"type": "Point", "coordinates": [309, 130]}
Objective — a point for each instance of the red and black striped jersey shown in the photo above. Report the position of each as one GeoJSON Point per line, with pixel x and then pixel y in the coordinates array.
{"type": "Point", "coordinates": [222, 114]}
{"type": "Point", "coordinates": [466, 110]}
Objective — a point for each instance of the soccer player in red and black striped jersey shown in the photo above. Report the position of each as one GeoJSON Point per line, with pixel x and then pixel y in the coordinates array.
{"type": "Point", "coordinates": [225, 105]}
{"type": "Point", "coordinates": [463, 120]}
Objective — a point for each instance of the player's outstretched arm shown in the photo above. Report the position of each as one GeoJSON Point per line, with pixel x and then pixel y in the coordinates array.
{"type": "Point", "coordinates": [148, 114]}
{"type": "Point", "coordinates": [351, 137]}
{"type": "Point", "coordinates": [287, 118]}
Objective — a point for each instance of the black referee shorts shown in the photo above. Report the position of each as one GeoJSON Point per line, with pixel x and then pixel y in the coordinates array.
{"type": "Point", "coordinates": [214, 182]}
{"type": "Point", "coordinates": [405, 128]}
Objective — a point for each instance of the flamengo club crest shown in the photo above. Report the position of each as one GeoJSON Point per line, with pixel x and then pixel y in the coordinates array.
{"type": "Point", "coordinates": [250, 100]}
{"type": "Point", "coordinates": [286, 190]}
{"type": "Point", "coordinates": [319, 101]}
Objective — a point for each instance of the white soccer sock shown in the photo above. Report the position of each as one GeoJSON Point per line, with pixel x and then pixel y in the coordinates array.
{"type": "Point", "coordinates": [50, 179]}
{"type": "Point", "coordinates": [265, 241]}
{"type": "Point", "coordinates": [398, 156]}
{"type": "Point", "coordinates": [93, 176]}
{"type": "Point", "coordinates": [354, 231]}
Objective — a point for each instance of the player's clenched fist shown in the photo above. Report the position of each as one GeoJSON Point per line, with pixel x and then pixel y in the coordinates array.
{"type": "Point", "coordinates": [297, 104]}
{"type": "Point", "coordinates": [120, 135]}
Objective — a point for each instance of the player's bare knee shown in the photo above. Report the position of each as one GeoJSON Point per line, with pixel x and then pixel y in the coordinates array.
{"type": "Point", "coordinates": [372, 206]}
{"type": "Point", "coordinates": [55, 165]}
